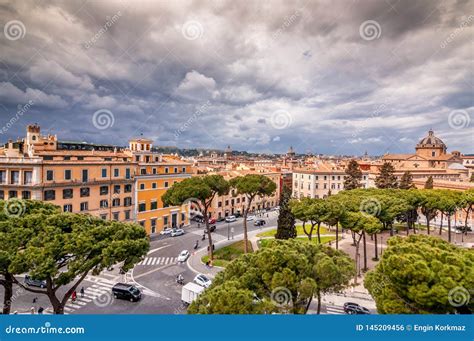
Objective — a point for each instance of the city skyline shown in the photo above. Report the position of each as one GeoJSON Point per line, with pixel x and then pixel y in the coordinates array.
{"type": "Point", "coordinates": [342, 79]}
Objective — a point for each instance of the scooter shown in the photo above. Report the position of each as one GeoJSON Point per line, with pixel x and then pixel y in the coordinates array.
{"type": "Point", "coordinates": [180, 281]}
{"type": "Point", "coordinates": [196, 245]}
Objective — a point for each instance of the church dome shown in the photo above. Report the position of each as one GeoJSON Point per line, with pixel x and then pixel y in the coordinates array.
{"type": "Point", "coordinates": [431, 141]}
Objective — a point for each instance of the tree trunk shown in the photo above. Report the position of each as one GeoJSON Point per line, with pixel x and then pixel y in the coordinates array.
{"type": "Point", "coordinates": [319, 234]}
{"type": "Point", "coordinates": [365, 252]}
{"type": "Point", "coordinates": [357, 243]}
{"type": "Point", "coordinates": [376, 247]}
{"type": "Point", "coordinates": [308, 304]}
{"type": "Point", "coordinates": [58, 307]}
{"type": "Point", "coordinates": [391, 230]}
{"type": "Point", "coordinates": [353, 238]}
{"type": "Point", "coordinates": [337, 236]}
{"type": "Point", "coordinates": [7, 284]}
{"type": "Point", "coordinates": [408, 223]}
{"type": "Point", "coordinates": [449, 227]}
{"type": "Point", "coordinates": [441, 224]}
{"type": "Point", "coordinates": [209, 236]}
{"type": "Point", "coordinates": [428, 223]}
{"type": "Point", "coordinates": [319, 302]}
{"type": "Point", "coordinates": [246, 238]}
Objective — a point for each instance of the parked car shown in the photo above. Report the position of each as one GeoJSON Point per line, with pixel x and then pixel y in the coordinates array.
{"type": "Point", "coordinates": [31, 282]}
{"type": "Point", "coordinates": [177, 232]}
{"type": "Point", "coordinates": [237, 215]}
{"type": "Point", "coordinates": [212, 220]}
{"type": "Point", "coordinates": [250, 218]}
{"type": "Point", "coordinates": [183, 256]}
{"type": "Point", "coordinates": [166, 231]}
{"type": "Point", "coordinates": [259, 222]}
{"type": "Point", "coordinates": [202, 281]}
{"type": "Point", "coordinates": [212, 228]}
{"type": "Point", "coordinates": [462, 229]}
{"type": "Point", "coordinates": [230, 219]}
{"type": "Point", "coordinates": [126, 292]}
{"type": "Point", "coordinates": [220, 219]}
{"type": "Point", "coordinates": [355, 309]}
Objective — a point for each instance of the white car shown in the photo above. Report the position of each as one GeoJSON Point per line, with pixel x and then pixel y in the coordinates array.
{"type": "Point", "coordinates": [166, 231]}
{"type": "Point", "coordinates": [230, 219]}
{"type": "Point", "coordinates": [183, 256]}
{"type": "Point", "coordinates": [177, 232]}
{"type": "Point", "coordinates": [202, 281]}
{"type": "Point", "coordinates": [250, 218]}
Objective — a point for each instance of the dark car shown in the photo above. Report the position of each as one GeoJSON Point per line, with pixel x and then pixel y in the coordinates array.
{"type": "Point", "coordinates": [355, 309]}
{"type": "Point", "coordinates": [126, 292]}
{"type": "Point", "coordinates": [31, 282]}
{"type": "Point", "coordinates": [219, 219]}
{"type": "Point", "coordinates": [212, 228]}
{"type": "Point", "coordinates": [259, 222]}
{"type": "Point", "coordinates": [237, 215]}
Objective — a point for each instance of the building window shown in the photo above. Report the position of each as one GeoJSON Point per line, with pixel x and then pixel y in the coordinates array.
{"type": "Point", "coordinates": [103, 216]}
{"type": "Point", "coordinates": [12, 194]}
{"type": "Point", "coordinates": [166, 184]}
{"type": "Point", "coordinates": [153, 185]}
{"type": "Point", "coordinates": [127, 215]}
{"type": "Point", "coordinates": [165, 221]}
{"type": "Point", "coordinates": [104, 203]}
{"type": "Point", "coordinates": [26, 195]}
{"type": "Point", "coordinates": [104, 190]}
{"type": "Point", "coordinates": [115, 216]}
{"type": "Point", "coordinates": [49, 175]}
{"type": "Point", "coordinates": [104, 172]}
{"type": "Point", "coordinates": [183, 169]}
{"type": "Point", "coordinates": [142, 207]}
{"type": "Point", "coordinates": [49, 194]}
{"type": "Point", "coordinates": [67, 193]}
{"type": "Point", "coordinates": [67, 174]}
{"type": "Point", "coordinates": [116, 172]}
{"type": "Point", "coordinates": [2, 194]}
{"type": "Point", "coordinates": [127, 188]}
{"type": "Point", "coordinates": [153, 225]}
{"type": "Point", "coordinates": [153, 170]}
{"type": "Point", "coordinates": [227, 202]}
{"type": "Point", "coordinates": [143, 171]}
{"type": "Point", "coordinates": [183, 218]}
{"type": "Point", "coordinates": [3, 176]}
{"type": "Point", "coordinates": [238, 200]}
{"type": "Point", "coordinates": [142, 223]}
{"type": "Point", "coordinates": [27, 177]}
{"type": "Point", "coordinates": [154, 205]}
{"type": "Point", "coordinates": [85, 192]}
{"type": "Point", "coordinates": [85, 175]}
{"type": "Point", "coordinates": [67, 208]}
{"type": "Point", "coordinates": [142, 186]}
{"type": "Point", "coordinates": [127, 201]}
{"type": "Point", "coordinates": [176, 169]}
{"type": "Point", "coordinates": [116, 189]}
{"type": "Point", "coordinates": [84, 206]}
{"type": "Point", "coordinates": [127, 173]}
{"type": "Point", "coordinates": [167, 170]}
{"type": "Point", "coordinates": [116, 202]}
{"type": "Point", "coordinates": [219, 204]}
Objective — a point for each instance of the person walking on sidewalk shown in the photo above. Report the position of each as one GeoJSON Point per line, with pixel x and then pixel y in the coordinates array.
{"type": "Point", "coordinates": [40, 310]}
{"type": "Point", "coordinates": [82, 292]}
{"type": "Point", "coordinates": [74, 296]}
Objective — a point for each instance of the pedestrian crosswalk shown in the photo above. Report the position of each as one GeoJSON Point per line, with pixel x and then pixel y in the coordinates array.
{"type": "Point", "coordinates": [334, 310]}
{"type": "Point", "coordinates": [99, 293]}
{"type": "Point", "coordinates": [150, 261]}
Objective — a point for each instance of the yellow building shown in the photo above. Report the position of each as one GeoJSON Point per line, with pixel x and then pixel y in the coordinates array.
{"type": "Point", "coordinates": [155, 174]}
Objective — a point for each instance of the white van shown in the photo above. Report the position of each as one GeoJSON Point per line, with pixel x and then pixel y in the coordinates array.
{"type": "Point", "coordinates": [190, 292]}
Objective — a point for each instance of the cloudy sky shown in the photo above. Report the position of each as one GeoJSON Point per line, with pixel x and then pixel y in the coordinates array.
{"type": "Point", "coordinates": [335, 77]}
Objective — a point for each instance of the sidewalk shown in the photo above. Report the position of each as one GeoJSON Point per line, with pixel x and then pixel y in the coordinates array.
{"type": "Point", "coordinates": [194, 261]}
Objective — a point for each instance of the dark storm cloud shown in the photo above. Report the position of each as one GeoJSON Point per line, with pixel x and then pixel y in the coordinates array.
{"type": "Point", "coordinates": [190, 73]}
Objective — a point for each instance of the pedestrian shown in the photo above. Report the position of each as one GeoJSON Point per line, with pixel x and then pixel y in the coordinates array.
{"type": "Point", "coordinates": [74, 296]}
{"type": "Point", "coordinates": [33, 310]}
{"type": "Point", "coordinates": [199, 225]}
{"type": "Point", "coordinates": [15, 312]}
{"type": "Point", "coordinates": [35, 300]}
{"type": "Point", "coordinates": [82, 292]}
{"type": "Point", "coordinates": [40, 310]}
